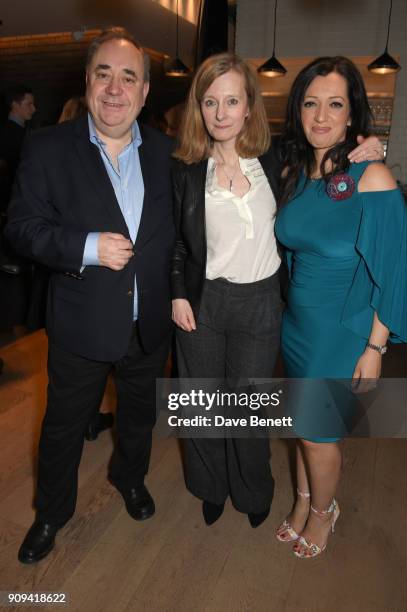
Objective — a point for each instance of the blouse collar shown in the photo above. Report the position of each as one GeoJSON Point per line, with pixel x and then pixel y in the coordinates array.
{"type": "Point", "coordinates": [251, 168]}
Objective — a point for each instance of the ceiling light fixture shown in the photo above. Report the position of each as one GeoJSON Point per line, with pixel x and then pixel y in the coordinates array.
{"type": "Point", "coordinates": [273, 68]}
{"type": "Point", "coordinates": [385, 64]}
{"type": "Point", "coordinates": [175, 67]}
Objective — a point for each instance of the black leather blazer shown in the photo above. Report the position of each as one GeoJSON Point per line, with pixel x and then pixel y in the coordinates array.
{"type": "Point", "coordinates": [189, 260]}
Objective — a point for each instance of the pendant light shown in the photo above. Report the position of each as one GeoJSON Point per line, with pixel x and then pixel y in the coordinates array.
{"type": "Point", "coordinates": [175, 67]}
{"type": "Point", "coordinates": [385, 64]}
{"type": "Point", "coordinates": [273, 68]}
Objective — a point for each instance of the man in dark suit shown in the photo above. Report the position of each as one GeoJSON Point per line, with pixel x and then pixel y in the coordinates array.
{"type": "Point", "coordinates": [21, 107]}
{"type": "Point", "coordinates": [15, 275]}
{"type": "Point", "coordinates": [93, 202]}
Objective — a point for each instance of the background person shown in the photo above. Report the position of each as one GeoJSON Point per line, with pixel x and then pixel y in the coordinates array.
{"type": "Point", "coordinates": [15, 272]}
{"type": "Point", "coordinates": [73, 108]}
{"type": "Point", "coordinates": [21, 108]}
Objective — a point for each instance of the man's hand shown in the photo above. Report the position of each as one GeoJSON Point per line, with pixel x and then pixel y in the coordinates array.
{"type": "Point", "coordinates": [114, 250]}
{"type": "Point", "coordinates": [369, 149]}
{"type": "Point", "coordinates": [182, 315]}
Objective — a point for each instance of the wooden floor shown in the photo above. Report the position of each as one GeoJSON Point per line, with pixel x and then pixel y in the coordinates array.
{"type": "Point", "coordinates": [105, 561]}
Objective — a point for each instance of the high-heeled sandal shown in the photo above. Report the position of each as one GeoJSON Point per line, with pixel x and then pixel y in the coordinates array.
{"type": "Point", "coordinates": [286, 528]}
{"type": "Point", "coordinates": [309, 549]}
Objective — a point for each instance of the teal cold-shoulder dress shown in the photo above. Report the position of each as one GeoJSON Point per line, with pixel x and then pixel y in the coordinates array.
{"type": "Point", "coordinates": [347, 258]}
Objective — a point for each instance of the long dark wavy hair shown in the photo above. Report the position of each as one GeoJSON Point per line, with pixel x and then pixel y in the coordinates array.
{"type": "Point", "coordinates": [297, 153]}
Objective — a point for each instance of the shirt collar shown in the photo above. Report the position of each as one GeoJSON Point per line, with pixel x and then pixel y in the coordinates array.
{"type": "Point", "coordinates": [17, 120]}
{"type": "Point", "coordinates": [251, 167]}
{"type": "Point", "coordinates": [93, 136]}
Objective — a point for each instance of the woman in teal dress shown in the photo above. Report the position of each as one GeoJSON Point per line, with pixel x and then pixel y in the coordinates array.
{"type": "Point", "coordinates": [344, 230]}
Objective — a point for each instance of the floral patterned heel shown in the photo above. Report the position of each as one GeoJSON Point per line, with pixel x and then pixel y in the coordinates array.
{"type": "Point", "coordinates": [305, 549]}
{"type": "Point", "coordinates": [285, 533]}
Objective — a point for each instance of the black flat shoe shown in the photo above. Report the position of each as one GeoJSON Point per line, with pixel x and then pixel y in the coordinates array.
{"type": "Point", "coordinates": [38, 542]}
{"type": "Point", "coordinates": [257, 518]}
{"type": "Point", "coordinates": [97, 424]}
{"type": "Point", "coordinates": [139, 503]}
{"type": "Point", "coordinates": [211, 512]}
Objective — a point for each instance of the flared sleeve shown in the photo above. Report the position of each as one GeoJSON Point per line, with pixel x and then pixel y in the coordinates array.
{"type": "Point", "coordinates": [380, 281]}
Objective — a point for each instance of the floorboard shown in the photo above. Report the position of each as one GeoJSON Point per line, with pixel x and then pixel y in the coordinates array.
{"type": "Point", "coordinates": [104, 560]}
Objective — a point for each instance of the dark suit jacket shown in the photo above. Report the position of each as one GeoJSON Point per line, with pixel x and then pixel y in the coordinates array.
{"type": "Point", "coordinates": [11, 142]}
{"type": "Point", "coordinates": [62, 192]}
{"type": "Point", "coordinates": [189, 260]}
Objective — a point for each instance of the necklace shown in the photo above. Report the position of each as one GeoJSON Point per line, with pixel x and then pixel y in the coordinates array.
{"type": "Point", "coordinates": [230, 178]}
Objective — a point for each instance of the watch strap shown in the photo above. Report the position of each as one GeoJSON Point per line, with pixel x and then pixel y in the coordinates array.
{"type": "Point", "coordinates": [381, 349]}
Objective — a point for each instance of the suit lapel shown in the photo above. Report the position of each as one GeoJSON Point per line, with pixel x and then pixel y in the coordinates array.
{"type": "Point", "coordinates": [149, 171]}
{"type": "Point", "coordinates": [95, 169]}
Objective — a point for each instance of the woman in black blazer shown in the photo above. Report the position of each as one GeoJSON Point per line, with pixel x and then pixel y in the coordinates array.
{"type": "Point", "coordinates": [225, 281]}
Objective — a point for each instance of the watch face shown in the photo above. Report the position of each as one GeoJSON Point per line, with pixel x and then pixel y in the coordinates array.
{"type": "Point", "coordinates": [376, 347]}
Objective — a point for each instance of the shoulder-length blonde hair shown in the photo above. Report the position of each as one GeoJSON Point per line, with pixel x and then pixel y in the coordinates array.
{"type": "Point", "coordinates": [194, 140]}
{"type": "Point", "coordinates": [73, 108]}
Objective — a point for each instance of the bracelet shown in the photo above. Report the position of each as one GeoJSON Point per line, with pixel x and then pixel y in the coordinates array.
{"type": "Point", "coordinates": [377, 347]}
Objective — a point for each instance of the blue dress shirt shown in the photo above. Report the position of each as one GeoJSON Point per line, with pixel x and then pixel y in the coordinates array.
{"type": "Point", "coordinates": [128, 185]}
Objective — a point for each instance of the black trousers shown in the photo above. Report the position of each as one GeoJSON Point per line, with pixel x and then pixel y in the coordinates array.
{"type": "Point", "coordinates": [75, 390]}
{"type": "Point", "coordinates": [237, 337]}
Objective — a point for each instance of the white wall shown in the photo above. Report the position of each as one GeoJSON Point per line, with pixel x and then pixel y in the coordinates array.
{"type": "Point", "coordinates": [330, 27]}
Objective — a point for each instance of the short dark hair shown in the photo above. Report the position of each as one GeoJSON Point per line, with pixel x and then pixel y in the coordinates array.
{"type": "Point", "coordinates": [16, 93]}
{"type": "Point", "coordinates": [118, 33]}
{"type": "Point", "coordinates": [298, 154]}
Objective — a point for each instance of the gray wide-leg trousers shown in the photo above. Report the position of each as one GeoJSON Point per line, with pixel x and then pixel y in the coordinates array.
{"type": "Point", "coordinates": [237, 337]}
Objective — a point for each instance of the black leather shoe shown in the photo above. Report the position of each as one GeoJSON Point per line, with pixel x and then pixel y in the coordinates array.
{"type": "Point", "coordinates": [139, 503]}
{"type": "Point", "coordinates": [257, 518]}
{"type": "Point", "coordinates": [211, 512]}
{"type": "Point", "coordinates": [98, 423]}
{"type": "Point", "coordinates": [38, 542]}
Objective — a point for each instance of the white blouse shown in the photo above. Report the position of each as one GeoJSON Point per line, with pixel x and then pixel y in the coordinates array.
{"type": "Point", "coordinates": [241, 246]}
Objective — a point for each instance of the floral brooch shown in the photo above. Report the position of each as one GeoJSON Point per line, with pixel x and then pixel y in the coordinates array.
{"type": "Point", "coordinates": [340, 187]}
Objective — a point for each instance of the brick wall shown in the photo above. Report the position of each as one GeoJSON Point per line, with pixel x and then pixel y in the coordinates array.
{"type": "Point", "coordinates": [320, 27]}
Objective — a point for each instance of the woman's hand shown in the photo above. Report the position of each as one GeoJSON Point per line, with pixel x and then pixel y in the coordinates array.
{"type": "Point", "coordinates": [369, 149]}
{"type": "Point", "coordinates": [367, 371]}
{"type": "Point", "coordinates": [182, 315]}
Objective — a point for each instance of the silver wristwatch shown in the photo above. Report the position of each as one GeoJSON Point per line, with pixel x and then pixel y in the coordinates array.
{"type": "Point", "coordinates": [377, 347]}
